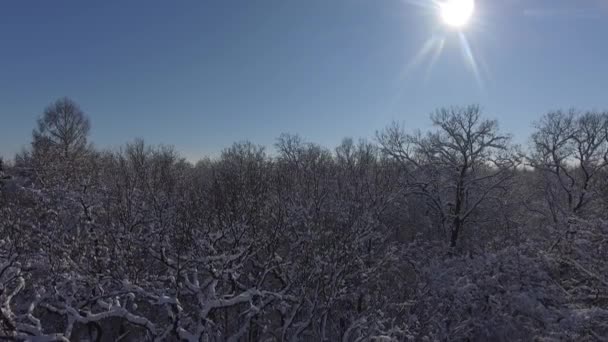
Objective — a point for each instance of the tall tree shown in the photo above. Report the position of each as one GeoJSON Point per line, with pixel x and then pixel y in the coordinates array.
{"type": "Point", "coordinates": [59, 144]}
{"type": "Point", "coordinates": [463, 163]}
{"type": "Point", "coordinates": [570, 150]}
{"type": "Point", "coordinates": [64, 127]}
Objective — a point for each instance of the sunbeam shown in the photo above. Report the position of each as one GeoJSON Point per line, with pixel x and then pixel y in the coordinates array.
{"type": "Point", "coordinates": [434, 58]}
{"type": "Point", "coordinates": [470, 59]}
{"type": "Point", "coordinates": [427, 48]}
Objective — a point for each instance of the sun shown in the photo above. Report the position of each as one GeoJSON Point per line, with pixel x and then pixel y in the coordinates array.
{"type": "Point", "coordinates": [457, 18]}
{"type": "Point", "coordinates": [456, 13]}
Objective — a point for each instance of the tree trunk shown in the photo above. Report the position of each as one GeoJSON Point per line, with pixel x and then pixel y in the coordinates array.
{"type": "Point", "coordinates": [455, 231]}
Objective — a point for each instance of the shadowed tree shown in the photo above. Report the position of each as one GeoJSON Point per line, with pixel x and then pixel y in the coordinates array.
{"type": "Point", "coordinates": [64, 127]}
{"type": "Point", "coordinates": [571, 151]}
{"type": "Point", "coordinates": [59, 144]}
{"type": "Point", "coordinates": [463, 163]}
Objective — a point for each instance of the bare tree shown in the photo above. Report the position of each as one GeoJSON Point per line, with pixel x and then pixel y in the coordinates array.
{"type": "Point", "coordinates": [570, 150]}
{"type": "Point", "coordinates": [63, 125]}
{"type": "Point", "coordinates": [463, 163]}
{"type": "Point", "coordinates": [141, 245]}
{"type": "Point", "coordinates": [59, 146]}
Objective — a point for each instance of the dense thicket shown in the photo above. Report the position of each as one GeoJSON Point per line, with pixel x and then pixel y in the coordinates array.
{"type": "Point", "coordinates": [449, 235]}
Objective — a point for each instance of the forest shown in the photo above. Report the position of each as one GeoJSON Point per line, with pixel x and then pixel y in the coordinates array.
{"type": "Point", "coordinates": [452, 234]}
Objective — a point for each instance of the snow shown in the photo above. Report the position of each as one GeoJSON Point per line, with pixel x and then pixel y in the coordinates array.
{"type": "Point", "coordinates": [310, 244]}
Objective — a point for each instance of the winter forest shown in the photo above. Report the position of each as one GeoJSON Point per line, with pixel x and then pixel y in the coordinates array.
{"type": "Point", "coordinates": [451, 234]}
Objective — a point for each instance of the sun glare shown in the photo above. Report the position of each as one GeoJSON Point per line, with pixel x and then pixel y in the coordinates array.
{"type": "Point", "coordinates": [456, 13]}
{"type": "Point", "coordinates": [456, 17]}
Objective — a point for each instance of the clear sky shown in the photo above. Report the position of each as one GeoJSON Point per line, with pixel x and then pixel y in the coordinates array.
{"type": "Point", "coordinates": [200, 75]}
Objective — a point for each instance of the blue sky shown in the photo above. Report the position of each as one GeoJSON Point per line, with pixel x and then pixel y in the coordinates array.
{"type": "Point", "coordinates": [201, 75]}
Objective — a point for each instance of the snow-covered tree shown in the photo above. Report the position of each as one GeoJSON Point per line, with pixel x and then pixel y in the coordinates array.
{"type": "Point", "coordinates": [310, 244]}
{"type": "Point", "coordinates": [465, 162]}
